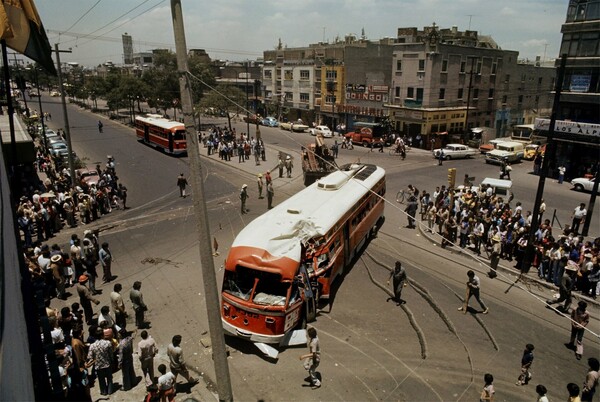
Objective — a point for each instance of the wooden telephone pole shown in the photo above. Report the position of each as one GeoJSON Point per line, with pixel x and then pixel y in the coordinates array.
{"type": "Point", "coordinates": [201, 215]}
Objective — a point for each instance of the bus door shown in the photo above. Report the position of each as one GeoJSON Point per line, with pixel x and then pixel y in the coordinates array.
{"type": "Point", "coordinates": [170, 142]}
{"type": "Point", "coordinates": [310, 304]}
{"type": "Point", "coordinates": [146, 134]}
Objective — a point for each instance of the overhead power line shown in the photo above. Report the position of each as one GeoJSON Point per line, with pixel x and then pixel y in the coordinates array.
{"type": "Point", "coordinates": [148, 43]}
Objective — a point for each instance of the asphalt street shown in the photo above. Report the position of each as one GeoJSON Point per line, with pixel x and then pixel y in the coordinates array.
{"type": "Point", "coordinates": [424, 350]}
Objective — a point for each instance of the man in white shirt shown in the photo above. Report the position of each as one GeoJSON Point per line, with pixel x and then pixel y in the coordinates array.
{"type": "Point", "coordinates": [579, 215]}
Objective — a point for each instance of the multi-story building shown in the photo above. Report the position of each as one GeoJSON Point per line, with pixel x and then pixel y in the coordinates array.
{"type": "Point", "coordinates": [445, 82]}
{"type": "Point", "coordinates": [329, 83]}
{"type": "Point", "coordinates": [577, 132]}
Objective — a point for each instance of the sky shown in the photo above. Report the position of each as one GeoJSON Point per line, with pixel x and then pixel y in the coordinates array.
{"type": "Point", "coordinates": [238, 30]}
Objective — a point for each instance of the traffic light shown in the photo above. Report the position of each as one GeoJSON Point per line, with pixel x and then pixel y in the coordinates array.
{"type": "Point", "coordinates": [451, 177]}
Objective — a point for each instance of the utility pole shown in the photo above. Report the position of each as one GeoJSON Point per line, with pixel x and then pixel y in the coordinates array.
{"type": "Point", "coordinates": [550, 155]}
{"type": "Point", "coordinates": [65, 114]}
{"type": "Point", "coordinates": [247, 111]}
{"type": "Point", "coordinates": [211, 293]}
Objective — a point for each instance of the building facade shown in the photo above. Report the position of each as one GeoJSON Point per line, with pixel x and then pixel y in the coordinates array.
{"type": "Point", "coordinates": [445, 82]}
{"type": "Point", "coordinates": [578, 133]}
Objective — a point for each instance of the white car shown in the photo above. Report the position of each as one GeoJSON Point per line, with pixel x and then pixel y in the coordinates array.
{"type": "Point", "coordinates": [583, 184]}
{"type": "Point", "coordinates": [323, 130]}
{"type": "Point", "coordinates": [455, 151]}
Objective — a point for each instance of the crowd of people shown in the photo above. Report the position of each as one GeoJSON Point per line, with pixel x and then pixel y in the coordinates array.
{"type": "Point", "coordinates": [227, 144]}
{"type": "Point", "coordinates": [44, 211]}
{"type": "Point", "coordinates": [483, 221]}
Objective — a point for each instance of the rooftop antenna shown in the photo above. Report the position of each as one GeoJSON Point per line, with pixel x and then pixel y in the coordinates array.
{"type": "Point", "coordinates": [324, 34]}
{"type": "Point", "coordinates": [470, 17]}
{"type": "Point", "coordinates": [545, 47]}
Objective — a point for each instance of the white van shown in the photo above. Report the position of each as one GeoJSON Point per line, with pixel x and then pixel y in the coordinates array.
{"type": "Point", "coordinates": [501, 188]}
{"type": "Point", "coordinates": [507, 151]}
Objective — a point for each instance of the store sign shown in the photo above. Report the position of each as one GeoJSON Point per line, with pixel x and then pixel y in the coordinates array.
{"type": "Point", "coordinates": [376, 97]}
{"type": "Point", "coordinates": [580, 83]}
{"type": "Point", "coordinates": [569, 127]}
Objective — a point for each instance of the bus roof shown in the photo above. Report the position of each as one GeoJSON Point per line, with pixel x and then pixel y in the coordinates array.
{"type": "Point", "coordinates": [310, 213]}
{"type": "Point", "coordinates": [161, 122]}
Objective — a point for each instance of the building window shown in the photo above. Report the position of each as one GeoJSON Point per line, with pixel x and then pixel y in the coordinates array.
{"type": "Point", "coordinates": [434, 128]}
{"type": "Point", "coordinates": [491, 93]}
{"type": "Point", "coordinates": [520, 101]}
{"type": "Point", "coordinates": [504, 99]}
{"type": "Point", "coordinates": [507, 78]}
{"type": "Point", "coordinates": [304, 74]}
{"type": "Point", "coordinates": [460, 93]}
{"type": "Point", "coordinates": [442, 93]}
{"type": "Point", "coordinates": [398, 65]}
{"type": "Point", "coordinates": [268, 74]}
{"type": "Point", "coordinates": [463, 66]}
{"type": "Point", "coordinates": [304, 97]}
{"type": "Point", "coordinates": [397, 92]}
{"type": "Point", "coordinates": [421, 64]}
{"type": "Point", "coordinates": [476, 93]}
{"type": "Point", "coordinates": [540, 81]}
{"type": "Point", "coordinates": [444, 66]}
{"type": "Point", "coordinates": [330, 99]}
{"type": "Point", "coordinates": [478, 68]}
{"type": "Point", "coordinates": [331, 75]}
{"type": "Point", "coordinates": [494, 68]}
{"type": "Point", "coordinates": [288, 74]}
{"type": "Point", "coordinates": [419, 94]}
{"type": "Point", "coordinates": [288, 96]}
{"type": "Point", "coordinates": [410, 92]}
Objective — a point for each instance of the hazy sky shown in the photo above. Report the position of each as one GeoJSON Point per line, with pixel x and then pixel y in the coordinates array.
{"type": "Point", "coordinates": [243, 29]}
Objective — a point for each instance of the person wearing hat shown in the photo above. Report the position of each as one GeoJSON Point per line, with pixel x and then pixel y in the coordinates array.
{"type": "Point", "coordinates": [86, 299]}
{"type": "Point", "coordinates": [566, 284]}
{"type": "Point", "coordinates": [289, 165]}
{"type": "Point", "coordinates": [259, 182]}
{"type": "Point", "coordinates": [580, 318]}
{"type": "Point", "coordinates": [56, 267]}
{"type": "Point", "coordinates": [243, 197]}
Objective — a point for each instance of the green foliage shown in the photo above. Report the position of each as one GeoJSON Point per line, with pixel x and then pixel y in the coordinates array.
{"type": "Point", "coordinates": [223, 98]}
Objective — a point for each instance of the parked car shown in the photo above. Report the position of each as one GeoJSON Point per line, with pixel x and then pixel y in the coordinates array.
{"type": "Point", "coordinates": [455, 151]}
{"type": "Point", "coordinates": [270, 121]}
{"type": "Point", "coordinates": [58, 147]}
{"type": "Point", "coordinates": [507, 152]}
{"type": "Point", "coordinates": [54, 93]}
{"type": "Point", "coordinates": [253, 119]}
{"type": "Point", "coordinates": [323, 130]}
{"type": "Point", "coordinates": [583, 184]}
{"type": "Point", "coordinates": [490, 146]}
{"type": "Point", "coordinates": [87, 176]}
{"type": "Point", "coordinates": [291, 126]}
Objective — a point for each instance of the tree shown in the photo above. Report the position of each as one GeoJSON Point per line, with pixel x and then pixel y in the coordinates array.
{"type": "Point", "coordinates": [226, 98]}
{"type": "Point", "coordinates": [203, 78]}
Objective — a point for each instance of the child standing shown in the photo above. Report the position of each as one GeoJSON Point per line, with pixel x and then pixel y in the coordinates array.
{"type": "Point", "coordinates": [487, 394]}
{"type": "Point", "coordinates": [526, 361]}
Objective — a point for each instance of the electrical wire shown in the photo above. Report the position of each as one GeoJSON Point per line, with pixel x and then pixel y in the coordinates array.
{"type": "Point", "coordinates": [84, 14]}
{"type": "Point", "coordinates": [116, 19]}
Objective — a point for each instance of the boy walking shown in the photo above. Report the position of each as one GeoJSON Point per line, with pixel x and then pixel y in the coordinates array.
{"type": "Point", "coordinates": [526, 361]}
